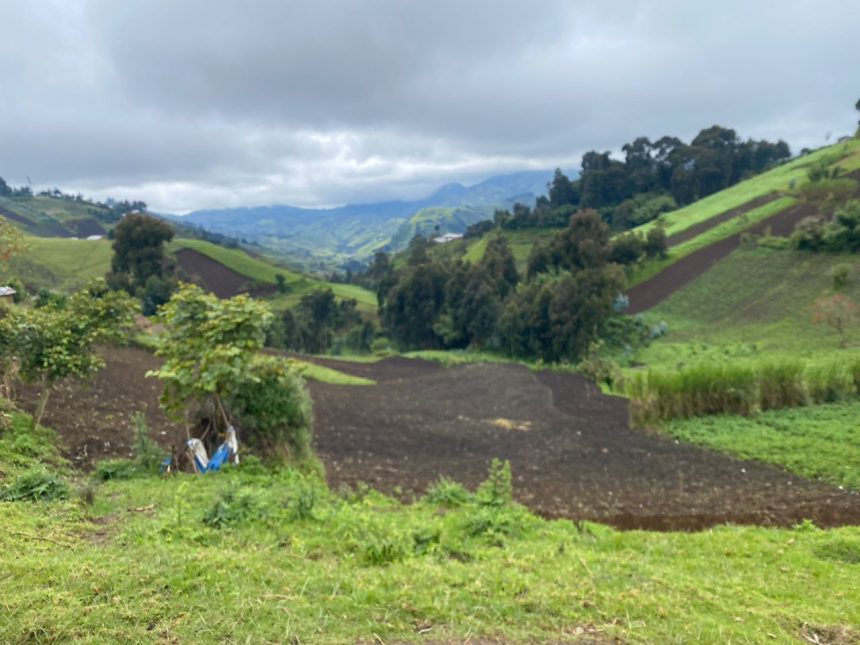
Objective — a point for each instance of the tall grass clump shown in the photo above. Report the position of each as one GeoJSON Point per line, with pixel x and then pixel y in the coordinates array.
{"type": "Point", "coordinates": [781, 385]}
{"type": "Point", "coordinates": [830, 383]}
{"type": "Point", "coordinates": [699, 391]}
{"type": "Point", "coordinates": [722, 389]}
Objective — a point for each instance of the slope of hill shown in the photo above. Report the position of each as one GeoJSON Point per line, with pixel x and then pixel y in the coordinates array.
{"type": "Point", "coordinates": [60, 264]}
{"type": "Point", "coordinates": [716, 217]}
{"type": "Point", "coordinates": [245, 273]}
{"type": "Point", "coordinates": [325, 238]}
{"type": "Point", "coordinates": [47, 216]}
{"type": "Point", "coordinates": [66, 264]}
{"type": "Point", "coordinates": [757, 302]}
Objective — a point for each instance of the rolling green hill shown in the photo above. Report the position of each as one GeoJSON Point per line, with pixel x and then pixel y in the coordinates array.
{"type": "Point", "coordinates": [756, 303]}
{"type": "Point", "coordinates": [60, 264]}
{"type": "Point", "coordinates": [788, 179]}
{"type": "Point", "coordinates": [260, 270]}
{"type": "Point", "coordinates": [66, 264]}
{"type": "Point", "coordinates": [47, 216]}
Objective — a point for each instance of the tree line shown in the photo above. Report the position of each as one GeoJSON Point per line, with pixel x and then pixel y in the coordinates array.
{"type": "Point", "coordinates": [654, 177]}
{"type": "Point", "coordinates": [571, 290]}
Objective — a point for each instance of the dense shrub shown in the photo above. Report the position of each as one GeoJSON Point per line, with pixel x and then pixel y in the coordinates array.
{"type": "Point", "coordinates": [273, 409]}
{"type": "Point", "coordinates": [840, 275]}
{"type": "Point", "coordinates": [702, 390]}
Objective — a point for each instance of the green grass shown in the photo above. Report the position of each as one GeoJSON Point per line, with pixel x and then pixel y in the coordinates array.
{"type": "Point", "coordinates": [521, 243]}
{"type": "Point", "coordinates": [64, 209]}
{"type": "Point", "coordinates": [328, 375]}
{"type": "Point", "coordinates": [22, 448]}
{"type": "Point", "coordinates": [754, 304]}
{"type": "Point", "coordinates": [821, 442]}
{"type": "Point", "coordinates": [715, 234]}
{"type": "Point", "coordinates": [282, 559]}
{"type": "Point", "coordinates": [252, 554]}
{"type": "Point", "coordinates": [259, 270]}
{"type": "Point", "coordinates": [846, 155]}
{"type": "Point", "coordinates": [61, 264]}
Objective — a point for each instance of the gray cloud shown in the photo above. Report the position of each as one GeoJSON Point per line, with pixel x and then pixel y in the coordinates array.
{"type": "Point", "coordinates": [190, 104]}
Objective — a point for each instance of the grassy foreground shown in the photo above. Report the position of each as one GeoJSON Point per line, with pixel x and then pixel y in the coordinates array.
{"type": "Point", "coordinates": [258, 555]}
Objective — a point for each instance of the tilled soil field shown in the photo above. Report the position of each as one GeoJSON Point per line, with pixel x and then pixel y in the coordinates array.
{"type": "Point", "coordinates": [223, 281]}
{"type": "Point", "coordinates": [571, 451]}
{"type": "Point", "coordinates": [655, 290]}
{"type": "Point", "coordinates": [572, 454]}
{"type": "Point", "coordinates": [94, 419]}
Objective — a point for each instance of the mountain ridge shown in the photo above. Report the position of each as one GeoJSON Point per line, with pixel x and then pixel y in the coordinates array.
{"type": "Point", "coordinates": [326, 237]}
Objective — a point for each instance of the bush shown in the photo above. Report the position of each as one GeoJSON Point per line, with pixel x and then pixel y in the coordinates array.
{"type": "Point", "coordinates": [274, 409]}
{"type": "Point", "coordinates": [829, 192]}
{"type": "Point", "coordinates": [497, 489]}
{"type": "Point", "coordinates": [36, 485]}
{"type": "Point", "coordinates": [302, 502]}
{"type": "Point", "coordinates": [147, 454]}
{"type": "Point", "coordinates": [840, 274]}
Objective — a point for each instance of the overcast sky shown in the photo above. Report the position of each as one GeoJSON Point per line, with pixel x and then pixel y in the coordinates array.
{"type": "Point", "coordinates": [210, 103]}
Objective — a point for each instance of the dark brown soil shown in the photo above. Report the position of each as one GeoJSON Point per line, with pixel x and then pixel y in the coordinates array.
{"type": "Point", "coordinates": [48, 229]}
{"type": "Point", "coordinates": [655, 290]}
{"type": "Point", "coordinates": [571, 451]}
{"type": "Point", "coordinates": [95, 420]}
{"type": "Point", "coordinates": [86, 227]}
{"type": "Point", "coordinates": [217, 278]}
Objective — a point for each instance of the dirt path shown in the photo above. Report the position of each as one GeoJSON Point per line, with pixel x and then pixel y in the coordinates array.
{"type": "Point", "coordinates": [655, 290]}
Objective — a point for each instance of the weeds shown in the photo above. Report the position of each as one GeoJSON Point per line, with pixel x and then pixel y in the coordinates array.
{"type": "Point", "coordinates": [233, 507]}
{"type": "Point", "coordinates": [301, 503]}
{"type": "Point", "coordinates": [114, 469]}
{"type": "Point", "coordinates": [147, 454]}
{"type": "Point", "coordinates": [447, 493]}
{"type": "Point", "coordinates": [36, 485]}
{"type": "Point", "coordinates": [497, 489]}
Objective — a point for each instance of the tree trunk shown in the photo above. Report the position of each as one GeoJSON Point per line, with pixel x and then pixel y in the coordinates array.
{"type": "Point", "coordinates": [41, 405]}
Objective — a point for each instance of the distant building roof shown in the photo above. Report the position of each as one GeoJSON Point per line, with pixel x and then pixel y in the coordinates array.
{"type": "Point", "coordinates": [7, 291]}
{"type": "Point", "coordinates": [448, 237]}
{"type": "Point", "coordinates": [94, 237]}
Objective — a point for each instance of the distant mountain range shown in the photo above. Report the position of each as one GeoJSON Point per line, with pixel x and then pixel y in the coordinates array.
{"type": "Point", "coordinates": [326, 238]}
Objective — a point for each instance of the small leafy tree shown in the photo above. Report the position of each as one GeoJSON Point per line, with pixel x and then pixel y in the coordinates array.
{"type": "Point", "coordinates": [211, 351]}
{"type": "Point", "coordinates": [838, 312]}
{"type": "Point", "coordinates": [52, 343]}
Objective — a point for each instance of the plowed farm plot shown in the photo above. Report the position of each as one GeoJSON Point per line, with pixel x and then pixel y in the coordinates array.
{"type": "Point", "coordinates": [571, 451]}
{"type": "Point", "coordinates": [655, 290]}
{"type": "Point", "coordinates": [216, 278]}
